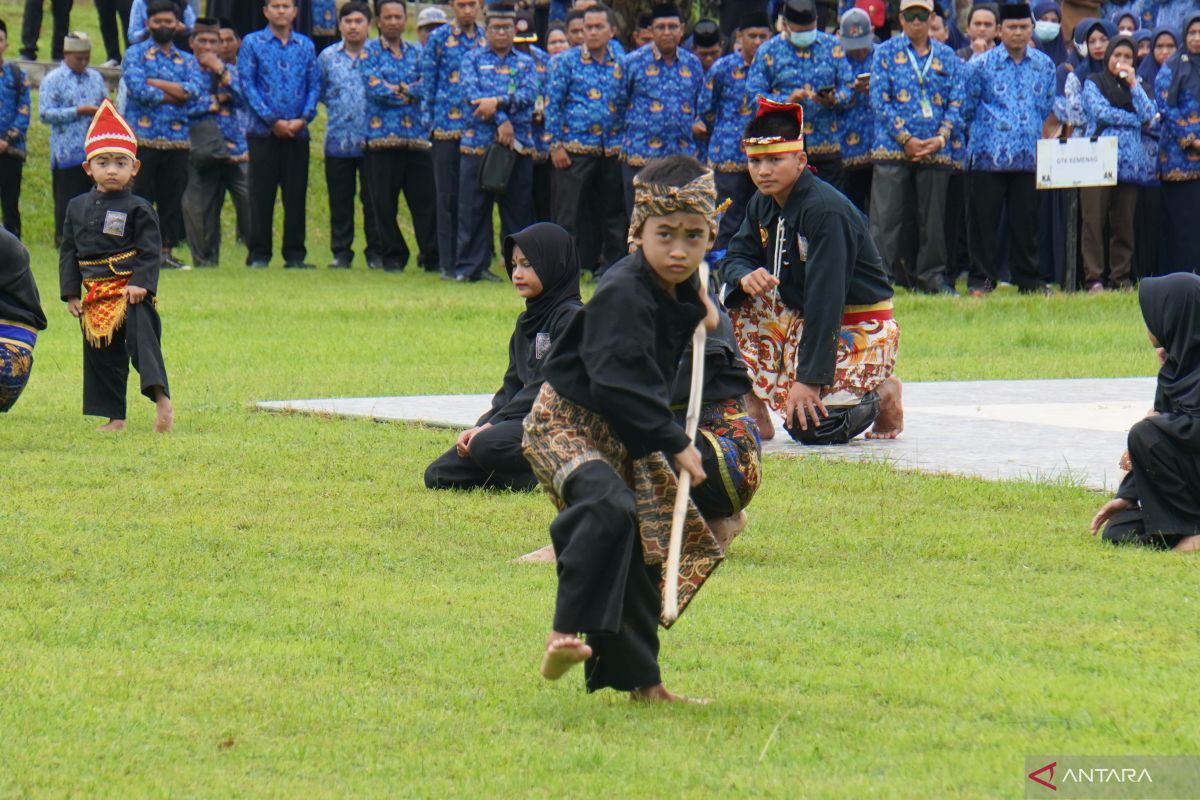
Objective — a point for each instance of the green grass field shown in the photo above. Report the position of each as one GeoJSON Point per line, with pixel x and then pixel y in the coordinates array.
{"type": "Point", "coordinates": [268, 605]}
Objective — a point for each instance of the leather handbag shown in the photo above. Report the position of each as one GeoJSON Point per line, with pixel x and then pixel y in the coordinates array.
{"type": "Point", "coordinates": [496, 169]}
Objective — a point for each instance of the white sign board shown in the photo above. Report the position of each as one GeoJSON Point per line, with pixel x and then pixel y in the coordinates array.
{"type": "Point", "coordinates": [1076, 162]}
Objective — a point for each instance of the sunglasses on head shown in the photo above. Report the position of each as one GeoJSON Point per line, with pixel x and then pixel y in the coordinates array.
{"type": "Point", "coordinates": [916, 15]}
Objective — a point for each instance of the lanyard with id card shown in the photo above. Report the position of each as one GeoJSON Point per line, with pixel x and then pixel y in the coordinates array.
{"type": "Point", "coordinates": [926, 107]}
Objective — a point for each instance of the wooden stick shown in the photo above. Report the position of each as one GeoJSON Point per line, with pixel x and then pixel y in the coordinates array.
{"type": "Point", "coordinates": [683, 490]}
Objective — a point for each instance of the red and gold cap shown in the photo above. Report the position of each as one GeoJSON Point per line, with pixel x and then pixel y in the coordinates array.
{"type": "Point", "coordinates": [110, 133]}
{"type": "Point", "coordinates": [770, 145]}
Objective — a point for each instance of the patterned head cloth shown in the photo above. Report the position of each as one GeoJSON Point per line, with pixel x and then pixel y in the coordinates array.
{"type": "Point", "coordinates": [770, 145]}
{"type": "Point", "coordinates": [653, 200]}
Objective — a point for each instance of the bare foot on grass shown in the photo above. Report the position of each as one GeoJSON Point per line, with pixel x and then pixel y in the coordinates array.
{"type": "Point", "coordinates": [890, 422]}
{"type": "Point", "coordinates": [543, 555]}
{"type": "Point", "coordinates": [761, 416]}
{"type": "Point", "coordinates": [659, 693]}
{"type": "Point", "coordinates": [726, 528]}
{"type": "Point", "coordinates": [1189, 545]}
{"type": "Point", "coordinates": [563, 651]}
{"type": "Point", "coordinates": [164, 419]}
{"type": "Point", "coordinates": [112, 425]}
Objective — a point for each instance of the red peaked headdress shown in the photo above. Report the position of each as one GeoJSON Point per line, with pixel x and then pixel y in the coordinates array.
{"type": "Point", "coordinates": [766, 145]}
{"type": "Point", "coordinates": [110, 133]}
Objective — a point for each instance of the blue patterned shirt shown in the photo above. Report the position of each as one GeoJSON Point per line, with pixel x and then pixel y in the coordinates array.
{"type": "Point", "coordinates": [541, 69]}
{"type": "Point", "coordinates": [857, 123]}
{"type": "Point", "coordinates": [660, 102]}
{"type": "Point", "coordinates": [781, 68]}
{"type": "Point", "coordinates": [512, 77]}
{"type": "Point", "coordinates": [581, 105]}
{"type": "Point", "coordinates": [61, 92]}
{"type": "Point", "coordinates": [900, 100]}
{"type": "Point", "coordinates": [726, 109]}
{"type": "Point", "coordinates": [1134, 164]}
{"type": "Point", "coordinates": [14, 107]}
{"type": "Point", "coordinates": [343, 91]}
{"type": "Point", "coordinates": [1165, 14]}
{"type": "Point", "coordinates": [442, 91]}
{"type": "Point", "coordinates": [1177, 160]}
{"type": "Point", "coordinates": [158, 124]}
{"type": "Point", "coordinates": [1006, 104]}
{"type": "Point", "coordinates": [138, 32]}
{"type": "Point", "coordinates": [392, 120]}
{"type": "Point", "coordinates": [279, 81]}
{"type": "Point", "coordinates": [223, 102]}
{"type": "Point", "coordinates": [324, 18]}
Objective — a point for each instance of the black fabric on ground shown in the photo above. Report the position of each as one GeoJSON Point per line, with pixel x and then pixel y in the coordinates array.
{"type": "Point", "coordinates": [495, 461]}
{"type": "Point", "coordinates": [106, 369]}
{"type": "Point", "coordinates": [841, 425]}
{"type": "Point", "coordinates": [1165, 482]}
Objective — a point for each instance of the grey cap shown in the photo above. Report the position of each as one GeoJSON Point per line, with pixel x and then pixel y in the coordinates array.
{"type": "Point", "coordinates": [855, 31]}
{"type": "Point", "coordinates": [431, 17]}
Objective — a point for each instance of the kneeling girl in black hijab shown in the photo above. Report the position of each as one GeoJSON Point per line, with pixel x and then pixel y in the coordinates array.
{"type": "Point", "coordinates": [544, 267]}
{"type": "Point", "coordinates": [1158, 503]}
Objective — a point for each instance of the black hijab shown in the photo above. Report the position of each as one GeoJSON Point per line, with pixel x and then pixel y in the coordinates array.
{"type": "Point", "coordinates": [1148, 69]}
{"type": "Point", "coordinates": [1115, 90]}
{"type": "Point", "coordinates": [1185, 72]}
{"type": "Point", "coordinates": [551, 252]}
{"type": "Point", "coordinates": [1171, 308]}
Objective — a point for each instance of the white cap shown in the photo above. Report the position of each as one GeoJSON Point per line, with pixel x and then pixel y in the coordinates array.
{"type": "Point", "coordinates": [431, 17]}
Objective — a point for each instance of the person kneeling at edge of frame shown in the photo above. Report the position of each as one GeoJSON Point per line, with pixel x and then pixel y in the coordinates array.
{"type": "Point", "coordinates": [544, 269]}
{"type": "Point", "coordinates": [21, 317]}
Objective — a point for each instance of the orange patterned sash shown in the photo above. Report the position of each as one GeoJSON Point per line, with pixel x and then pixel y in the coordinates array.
{"type": "Point", "coordinates": [104, 302]}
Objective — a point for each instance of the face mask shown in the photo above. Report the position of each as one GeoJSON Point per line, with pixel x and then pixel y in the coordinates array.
{"type": "Point", "coordinates": [162, 35]}
{"type": "Point", "coordinates": [1046, 31]}
{"type": "Point", "coordinates": [803, 38]}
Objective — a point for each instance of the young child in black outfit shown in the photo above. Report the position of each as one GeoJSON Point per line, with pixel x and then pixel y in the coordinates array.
{"type": "Point", "coordinates": [111, 246]}
{"type": "Point", "coordinates": [600, 433]}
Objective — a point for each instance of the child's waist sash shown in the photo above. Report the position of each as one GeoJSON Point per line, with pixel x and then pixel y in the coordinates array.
{"type": "Point", "coordinates": [104, 300]}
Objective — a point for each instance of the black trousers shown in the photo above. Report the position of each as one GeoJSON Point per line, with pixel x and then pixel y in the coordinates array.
{"type": "Point", "coordinates": [67, 183]}
{"type": "Point", "coordinates": [829, 169]}
{"type": "Point", "coordinates": [1147, 227]}
{"type": "Point", "coordinates": [908, 198]}
{"type": "Point", "coordinates": [604, 588]}
{"type": "Point", "coordinates": [31, 27]}
{"type": "Point", "coordinates": [1180, 199]}
{"type": "Point", "coordinates": [495, 462]}
{"type": "Point", "coordinates": [992, 193]}
{"type": "Point", "coordinates": [106, 369]}
{"type": "Point", "coordinates": [344, 178]}
{"type": "Point", "coordinates": [738, 188]}
{"type": "Point", "coordinates": [162, 181]}
{"type": "Point", "coordinates": [856, 185]}
{"type": "Point", "coordinates": [958, 255]}
{"type": "Point", "coordinates": [475, 232]}
{"type": "Point", "coordinates": [628, 173]}
{"type": "Point", "coordinates": [446, 158]}
{"type": "Point", "coordinates": [543, 191]}
{"type": "Point", "coordinates": [388, 173]}
{"type": "Point", "coordinates": [11, 170]}
{"type": "Point", "coordinates": [588, 204]}
{"type": "Point", "coordinates": [108, 11]}
{"type": "Point", "coordinates": [1167, 478]}
{"type": "Point", "coordinates": [202, 204]}
{"type": "Point", "coordinates": [278, 166]}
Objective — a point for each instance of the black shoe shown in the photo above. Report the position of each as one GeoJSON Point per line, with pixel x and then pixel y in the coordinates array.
{"type": "Point", "coordinates": [298, 265]}
{"type": "Point", "coordinates": [257, 265]}
{"type": "Point", "coordinates": [340, 263]}
{"type": "Point", "coordinates": [169, 261]}
{"type": "Point", "coordinates": [374, 262]}
{"type": "Point", "coordinates": [26, 55]}
{"type": "Point", "coordinates": [490, 277]}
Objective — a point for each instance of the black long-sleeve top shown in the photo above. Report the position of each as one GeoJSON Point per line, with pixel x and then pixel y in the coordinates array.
{"type": "Point", "coordinates": [619, 355]}
{"type": "Point", "coordinates": [828, 261]}
{"type": "Point", "coordinates": [523, 378]}
{"type": "Point", "coordinates": [726, 375]}
{"type": "Point", "coordinates": [99, 225]}
{"type": "Point", "coordinates": [19, 299]}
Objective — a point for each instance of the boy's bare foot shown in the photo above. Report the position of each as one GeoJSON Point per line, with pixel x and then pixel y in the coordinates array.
{"type": "Point", "coordinates": [659, 693]}
{"type": "Point", "coordinates": [890, 422]}
{"type": "Point", "coordinates": [1189, 545]}
{"type": "Point", "coordinates": [726, 528]}
{"type": "Point", "coordinates": [543, 555]}
{"type": "Point", "coordinates": [164, 420]}
{"type": "Point", "coordinates": [563, 651]}
{"type": "Point", "coordinates": [761, 416]}
{"type": "Point", "coordinates": [112, 425]}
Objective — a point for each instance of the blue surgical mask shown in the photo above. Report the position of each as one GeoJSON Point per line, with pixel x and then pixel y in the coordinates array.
{"type": "Point", "coordinates": [803, 38]}
{"type": "Point", "coordinates": [1046, 31]}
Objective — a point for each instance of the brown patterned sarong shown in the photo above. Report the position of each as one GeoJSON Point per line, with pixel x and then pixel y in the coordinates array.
{"type": "Point", "coordinates": [561, 436]}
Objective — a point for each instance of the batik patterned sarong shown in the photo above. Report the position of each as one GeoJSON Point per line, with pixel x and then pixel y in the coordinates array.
{"type": "Point", "coordinates": [738, 448]}
{"type": "Point", "coordinates": [561, 436]}
{"type": "Point", "coordinates": [16, 361]}
{"type": "Point", "coordinates": [768, 333]}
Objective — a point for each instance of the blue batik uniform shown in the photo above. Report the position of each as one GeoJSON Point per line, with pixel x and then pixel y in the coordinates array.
{"type": "Point", "coordinates": [1134, 164]}
{"type": "Point", "coordinates": [581, 104]}
{"type": "Point", "coordinates": [916, 96]}
{"type": "Point", "coordinates": [324, 18]}
{"type": "Point", "coordinates": [14, 108]}
{"type": "Point", "coordinates": [512, 78]}
{"type": "Point", "coordinates": [661, 102]}
{"type": "Point", "coordinates": [279, 81]}
{"type": "Point", "coordinates": [1165, 14]}
{"type": "Point", "coordinates": [1006, 104]}
{"type": "Point", "coordinates": [226, 112]}
{"type": "Point", "coordinates": [781, 68]}
{"type": "Point", "coordinates": [61, 92]}
{"type": "Point", "coordinates": [541, 61]}
{"type": "Point", "coordinates": [445, 111]}
{"type": "Point", "coordinates": [857, 118]}
{"type": "Point", "coordinates": [1177, 160]}
{"type": "Point", "coordinates": [159, 125]}
{"type": "Point", "coordinates": [343, 91]}
{"type": "Point", "coordinates": [726, 109]}
{"type": "Point", "coordinates": [392, 120]}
